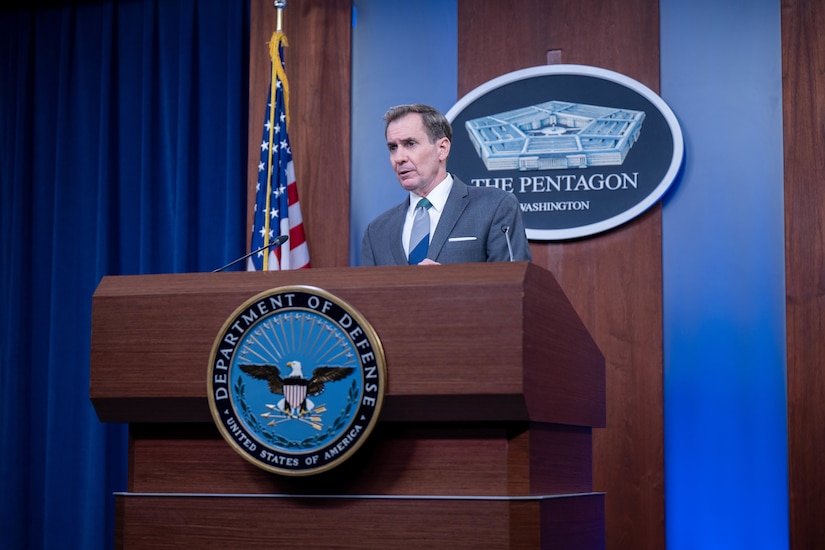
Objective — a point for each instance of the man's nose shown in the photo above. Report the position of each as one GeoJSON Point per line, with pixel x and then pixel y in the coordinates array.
{"type": "Point", "coordinates": [398, 156]}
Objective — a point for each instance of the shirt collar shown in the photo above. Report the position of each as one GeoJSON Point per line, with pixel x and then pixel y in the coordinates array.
{"type": "Point", "coordinates": [438, 196]}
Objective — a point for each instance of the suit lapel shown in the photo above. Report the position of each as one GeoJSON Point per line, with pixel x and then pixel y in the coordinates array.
{"type": "Point", "coordinates": [456, 203]}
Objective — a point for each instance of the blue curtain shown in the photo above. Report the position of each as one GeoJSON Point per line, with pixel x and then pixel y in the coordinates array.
{"type": "Point", "coordinates": [123, 128]}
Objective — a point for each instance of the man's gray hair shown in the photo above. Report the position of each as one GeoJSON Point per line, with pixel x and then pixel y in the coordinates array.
{"type": "Point", "coordinates": [436, 124]}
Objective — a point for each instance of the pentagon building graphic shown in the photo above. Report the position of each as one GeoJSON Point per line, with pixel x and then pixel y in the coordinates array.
{"type": "Point", "coordinates": [555, 135]}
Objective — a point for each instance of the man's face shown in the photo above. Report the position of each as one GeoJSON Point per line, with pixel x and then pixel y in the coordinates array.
{"type": "Point", "coordinates": [418, 164]}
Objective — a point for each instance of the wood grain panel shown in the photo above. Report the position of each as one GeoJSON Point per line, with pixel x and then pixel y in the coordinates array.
{"type": "Point", "coordinates": [318, 68]}
{"type": "Point", "coordinates": [613, 279]}
{"type": "Point", "coordinates": [359, 523]}
{"type": "Point", "coordinates": [480, 458]}
{"type": "Point", "coordinates": [803, 91]}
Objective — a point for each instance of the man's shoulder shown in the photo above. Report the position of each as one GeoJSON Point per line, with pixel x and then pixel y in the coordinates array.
{"type": "Point", "coordinates": [470, 188]}
{"type": "Point", "coordinates": [491, 194]}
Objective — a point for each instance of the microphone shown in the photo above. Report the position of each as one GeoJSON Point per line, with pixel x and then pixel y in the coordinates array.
{"type": "Point", "coordinates": [279, 240]}
{"type": "Point", "coordinates": [506, 230]}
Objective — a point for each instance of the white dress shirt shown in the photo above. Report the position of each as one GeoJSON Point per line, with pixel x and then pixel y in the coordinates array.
{"type": "Point", "coordinates": [438, 198]}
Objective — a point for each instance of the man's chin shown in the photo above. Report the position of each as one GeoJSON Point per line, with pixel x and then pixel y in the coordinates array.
{"type": "Point", "coordinates": [409, 184]}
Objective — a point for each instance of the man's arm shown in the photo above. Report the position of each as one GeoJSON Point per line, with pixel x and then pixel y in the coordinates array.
{"type": "Point", "coordinates": [367, 255]}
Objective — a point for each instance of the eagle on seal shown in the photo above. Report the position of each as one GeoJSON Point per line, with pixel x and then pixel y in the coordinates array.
{"type": "Point", "coordinates": [295, 388]}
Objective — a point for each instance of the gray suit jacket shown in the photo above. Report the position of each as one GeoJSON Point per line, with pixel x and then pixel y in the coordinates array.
{"type": "Point", "coordinates": [470, 230]}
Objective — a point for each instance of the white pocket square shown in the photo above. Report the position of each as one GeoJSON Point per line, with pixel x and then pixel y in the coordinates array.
{"type": "Point", "coordinates": [458, 239]}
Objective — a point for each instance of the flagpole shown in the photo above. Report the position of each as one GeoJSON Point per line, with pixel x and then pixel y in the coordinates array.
{"type": "Point", "coordinates": [274, 52]}
{"type": "Point", "coordinates": [280, 5]}
{"type": "Point", "coordinates": [276, 198]}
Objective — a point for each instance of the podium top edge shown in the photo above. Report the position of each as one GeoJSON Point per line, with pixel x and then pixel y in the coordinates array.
{"type": "Point", "coordinates": [332, 277]}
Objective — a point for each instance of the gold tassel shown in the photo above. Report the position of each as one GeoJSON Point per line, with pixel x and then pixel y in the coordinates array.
{"type": "Point", "coordinates": [279, 38]}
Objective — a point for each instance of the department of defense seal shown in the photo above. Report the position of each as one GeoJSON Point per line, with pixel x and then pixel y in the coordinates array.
{"type": "Point", "coordinates": [296, 380]}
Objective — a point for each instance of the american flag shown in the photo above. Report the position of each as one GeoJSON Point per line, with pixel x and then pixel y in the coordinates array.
{"type": "Point", "coordinates": [277, 209]}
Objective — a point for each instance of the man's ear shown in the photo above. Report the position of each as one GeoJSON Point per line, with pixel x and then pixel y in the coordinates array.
{"type": "Point", "coordinates": [444, 148]}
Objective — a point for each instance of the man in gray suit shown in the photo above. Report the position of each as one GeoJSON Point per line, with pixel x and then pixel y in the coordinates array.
{"type": "Point", "coordinates": [466, 223]}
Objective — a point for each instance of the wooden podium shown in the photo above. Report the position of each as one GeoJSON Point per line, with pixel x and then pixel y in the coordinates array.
{"type": "Point", "coordinates": [484, 439]}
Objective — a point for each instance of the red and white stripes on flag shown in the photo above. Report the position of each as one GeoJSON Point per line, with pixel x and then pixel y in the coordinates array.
{"type": "Point", "coordinates": [277, 208]}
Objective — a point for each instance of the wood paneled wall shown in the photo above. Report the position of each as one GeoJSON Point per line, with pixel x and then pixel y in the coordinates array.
{"type": "Point", "coordinates": [318, 66]}
{"type": "Point", "coordinates": [803, 91]}
{"type": "Point", "coordinates": [613, 279]}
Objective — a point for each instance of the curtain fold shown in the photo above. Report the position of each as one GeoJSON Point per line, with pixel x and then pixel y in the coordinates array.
{"type": "Point", "coordinates": [122, 151]}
